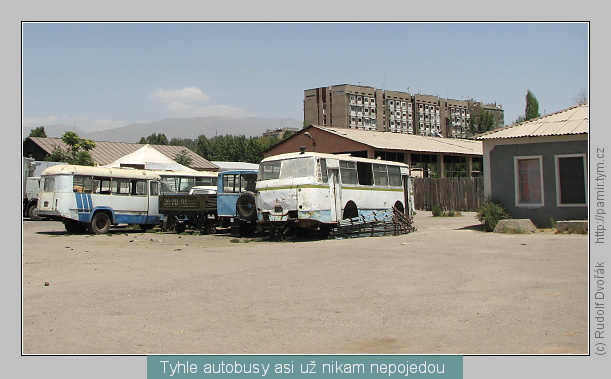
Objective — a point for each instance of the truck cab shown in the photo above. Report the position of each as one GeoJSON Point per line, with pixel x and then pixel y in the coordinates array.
{"type": "Point", "coordinates": [236, 200]}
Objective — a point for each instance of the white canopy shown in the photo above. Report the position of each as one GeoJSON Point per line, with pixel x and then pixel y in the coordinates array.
{"type": "Point", "coordinates": [150, 158]}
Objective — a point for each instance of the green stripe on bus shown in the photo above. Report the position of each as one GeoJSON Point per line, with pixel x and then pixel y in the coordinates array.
{"type": "Point", "coordinates": [323, 186]}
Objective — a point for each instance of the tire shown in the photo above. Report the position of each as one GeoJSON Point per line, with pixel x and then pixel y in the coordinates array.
{"type": "Point", "coordinates": [73, 226]}
{"type": "Point", "coordinates": [246, 206]}
{"type": "Point", "coordinates": [100, 223]}
{"type": "Point", "coordinates": [146, 227]}
{"type": "Point", "coordinates": [169, 223]}
{"type": "Point", "coordinates": [33, 212]}
{"type": "Point", "coordinates": [180, 227]}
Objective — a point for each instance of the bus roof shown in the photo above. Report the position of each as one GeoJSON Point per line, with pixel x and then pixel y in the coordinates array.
{"type": "Point", "coordinates": [65, 169]}
{"type": "Point", "coordinates": [344, 157]}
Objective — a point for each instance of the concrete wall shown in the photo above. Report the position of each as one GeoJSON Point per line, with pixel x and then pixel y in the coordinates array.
{"type": "Point", "coordinates": [501, 177]}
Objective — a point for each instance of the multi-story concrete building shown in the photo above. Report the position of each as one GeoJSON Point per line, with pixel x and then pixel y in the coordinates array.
{"type": "Point", "coordinates": [369, 108]}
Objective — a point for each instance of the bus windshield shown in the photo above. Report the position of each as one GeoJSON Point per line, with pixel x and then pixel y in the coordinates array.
{"type": "Point", "coordinates": [287, 169]}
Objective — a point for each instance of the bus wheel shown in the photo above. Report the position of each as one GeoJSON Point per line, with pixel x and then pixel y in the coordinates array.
{"type": "Point", "coordinates": [146, 227]}
{"type": "Point", "coordinates": [100, 223]}
{"type": "Point", "coordinates": [73, 226]}
{"type": "Point", "coordinates": [33, 212]}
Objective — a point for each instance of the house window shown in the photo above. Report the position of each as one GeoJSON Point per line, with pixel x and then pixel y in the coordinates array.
{"type": "Point", "coordinates": [571, 180]}
{"type": "Point", "coordinates": [529, 181]}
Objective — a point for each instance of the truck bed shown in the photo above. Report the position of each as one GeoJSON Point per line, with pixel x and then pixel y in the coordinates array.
{"type": "Point", "coordinates": [184, 203]}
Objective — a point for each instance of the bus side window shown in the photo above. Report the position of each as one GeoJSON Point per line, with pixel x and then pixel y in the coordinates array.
{"type": "Point", "coordinates": [365, 173]}
{"type": "Point", "coordinates": [380, 175]}
{"type": "Point", "coordinates": [82, 184]}
{"type": "Point", "coordinates": [101, 186]}
{"type": "Point", "coordinates": [348, 172]}
{"type": "Point", "coordinates": [120, 186]}
{"type": "Point", "coordinates": [139, 187]}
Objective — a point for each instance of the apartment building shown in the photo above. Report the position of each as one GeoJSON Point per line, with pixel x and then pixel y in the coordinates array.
{"type": "Point", "coordinates": [369, 108]}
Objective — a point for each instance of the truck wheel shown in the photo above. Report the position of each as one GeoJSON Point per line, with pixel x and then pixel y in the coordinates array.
{"type": "Point", "coordinates": [246, 206]}
{"type": "Point", "coordinates": [33, 212]}
{"type": "Point", "coordinates": [100, 223]}
{"type": "Point", "coordinates": [180, 227]}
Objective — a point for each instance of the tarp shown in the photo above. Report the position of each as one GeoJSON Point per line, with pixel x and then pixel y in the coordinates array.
{"type": "Point", "coordinates": [150, 158]}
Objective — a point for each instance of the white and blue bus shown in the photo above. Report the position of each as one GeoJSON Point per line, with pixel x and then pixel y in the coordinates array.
{"type": "Point", "coordinates": [92, 199]}
{"type": "Point", "coordinates": [316, 190]}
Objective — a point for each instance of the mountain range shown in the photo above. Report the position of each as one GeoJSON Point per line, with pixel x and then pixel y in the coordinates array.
{"type": "Point", "coordinates": [178, 128]}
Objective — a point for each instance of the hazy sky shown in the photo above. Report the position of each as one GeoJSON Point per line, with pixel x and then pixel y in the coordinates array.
{"type": "Point", "coordinates": [104, 75]}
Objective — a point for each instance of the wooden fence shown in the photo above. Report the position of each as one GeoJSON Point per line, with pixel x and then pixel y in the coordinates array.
{"type": "Point", "coordinates": [456, 194]}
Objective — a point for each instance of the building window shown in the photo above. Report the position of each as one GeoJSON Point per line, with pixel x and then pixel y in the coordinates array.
{"type": "Point", "coordinates": [571, 179]}
{"type": "Point", "coordinates": [528, 181]}
{"type": "Point", "coordinates": [454, 166]}
{"type": "Point", "coordinates": [424, 165]}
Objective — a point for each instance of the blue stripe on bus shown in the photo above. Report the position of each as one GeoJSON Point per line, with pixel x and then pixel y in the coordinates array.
{"type": "Point", "coordinates": [84, 205]}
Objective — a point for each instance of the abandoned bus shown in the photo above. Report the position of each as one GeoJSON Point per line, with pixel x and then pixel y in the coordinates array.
{"type": "Point", "coordinates": [315, 190]}
{"type": "Point", "coordinates": [94, 198]}
{"type": "Point", "coordinates": [183, 181]}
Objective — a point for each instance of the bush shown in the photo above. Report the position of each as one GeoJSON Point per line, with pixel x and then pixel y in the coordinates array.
{"type": "Point", "coordinates": [437, 211]}
{"type": "Point", "coordinates": [490, 213]}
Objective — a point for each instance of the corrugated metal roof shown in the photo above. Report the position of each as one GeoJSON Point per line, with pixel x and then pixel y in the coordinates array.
{"type": "Point", "coordinates": [105, 153]}
{"type": "Point", "coordinates": [410, 142]}
{"type": "Point", "coordinates": [574, 120]}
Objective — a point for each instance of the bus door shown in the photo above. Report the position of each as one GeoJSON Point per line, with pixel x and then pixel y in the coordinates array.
{"type": "Point", "coordinates": [153, 202]}
{"type": "Point", "coordinates": [46, 199]}
{"type": "Point", "coordinates": [335, 189]}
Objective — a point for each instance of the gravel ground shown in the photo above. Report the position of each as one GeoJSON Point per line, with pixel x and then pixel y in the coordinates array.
{"type": "Point", "coordinates": [448, 288]}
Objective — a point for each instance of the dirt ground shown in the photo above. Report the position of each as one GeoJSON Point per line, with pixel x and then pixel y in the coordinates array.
{"type": "Point", "coordinates": [448, 288]}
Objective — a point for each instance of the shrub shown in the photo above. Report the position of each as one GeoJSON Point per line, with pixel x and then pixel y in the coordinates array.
{"type": "Point", "coordinates": [490, 213]}
{"type": "Point", "coordinates": [437, 211]}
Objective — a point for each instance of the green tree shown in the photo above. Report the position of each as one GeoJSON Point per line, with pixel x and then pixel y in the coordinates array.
{"type": "Point", "coordinates": [186, 142]}
{"type": "Point", "coordinates": [532, 107]}
{"type": "Point", "coordinates": [77, 151]}
{"type": "Point", "coordinates": [233, 148]}
{"type": "Point", "coordinates": [155, 139]}
{"type": "Point", "coordinates": [38, 132]}
{"type": "Point", "coordinates": [183, 158]}
{"type": "Point", "coordinates": [481, 123]}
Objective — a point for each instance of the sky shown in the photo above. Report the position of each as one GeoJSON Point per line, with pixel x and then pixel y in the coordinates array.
{"type": "Point", "coordinates": [98, 76]}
